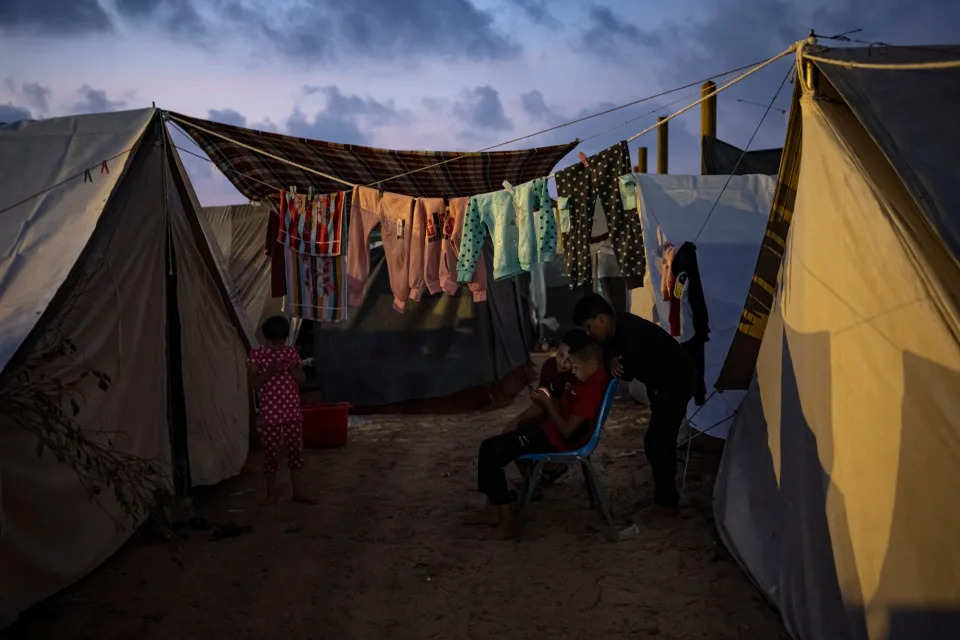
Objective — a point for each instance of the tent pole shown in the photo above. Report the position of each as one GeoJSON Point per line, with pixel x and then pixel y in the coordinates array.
{"type": "Point", "coordinates": [641, 160]}
{"type": "Point", "coordinates": [663, 144]}
{"type": "Point", "coordinates": [708, 118]}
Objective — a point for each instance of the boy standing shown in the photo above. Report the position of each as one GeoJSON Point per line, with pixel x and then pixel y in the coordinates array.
{"type": "Point", "coordinates": [560, 424]}
{"type": "Point", "coordinates": [641, 350]}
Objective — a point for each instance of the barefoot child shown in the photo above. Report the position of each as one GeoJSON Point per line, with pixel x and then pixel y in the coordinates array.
{"type": "Point", "coordinates": [276, 372]}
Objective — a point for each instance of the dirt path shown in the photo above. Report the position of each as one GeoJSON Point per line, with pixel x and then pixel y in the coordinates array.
{"type": "Point", "coordinates": [385, 556]}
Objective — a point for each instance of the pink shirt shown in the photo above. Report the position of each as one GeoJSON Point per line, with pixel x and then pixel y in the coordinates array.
{"type": "Point", "coordinates": [280, 394]}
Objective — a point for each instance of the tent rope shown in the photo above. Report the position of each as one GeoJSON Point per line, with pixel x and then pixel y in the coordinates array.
{"type": "Point", "coordinates": [743, 154]}
{"type": "Point", "coordinates": [168, 115]}
{"type": "Point", "coordinates": [63, 182]}
{"type": "Point", "coordinates": [571, 122]}
{"type": "Point", "coordinates": [906, 66]}
{"type": "Point", "coordinates": [783, 54]}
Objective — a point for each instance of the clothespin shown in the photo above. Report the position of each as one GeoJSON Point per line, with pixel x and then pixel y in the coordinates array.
{"type": "Point", "coordinates": [583, 158]}
{"type": "Point", "coordinates": [508, 187]}
{"type": "Point", "coordinates": [310, 193]}
{"type": "Point", "coordinates": [86, 176]}
{"type": "Point", "coordinates": [103, 167]}
{"type": "Point", "coordinates": [380, 188]}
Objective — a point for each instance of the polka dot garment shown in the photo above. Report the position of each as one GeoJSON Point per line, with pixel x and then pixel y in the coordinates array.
{"type": "Point", "coordinates": [583, 185]}
{"type": "Point", "coordinates": [280, 414]}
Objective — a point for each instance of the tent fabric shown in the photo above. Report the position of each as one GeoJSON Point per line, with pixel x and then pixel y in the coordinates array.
{"type": "Point", "coordinates": [439, 346]}
{"type": "Point", "coordinates": [738, 366]}
{"type": "Point", "coordinates": [88, 262]}
{"type": "Point", "coordinates": [52, 533]}
{"type": "Point", "coordinates": [239, 232]}
{"type": "Point", "coordinates": [42, 238]}
{"type": "Point", "coordinates": [258, 177]}
{"type": "Point", "coordinates": [897, 109]}
{"type": "Point", "coordinates": [680, 206]}
{"type": "Point", "coordinates": [835, 490]}
{"type": "Point", "coordinates": [723, 159]}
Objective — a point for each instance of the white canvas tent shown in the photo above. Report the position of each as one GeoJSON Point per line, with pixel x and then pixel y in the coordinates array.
{"type": "Point", "coordinates": [115, 262]}
{"type": "Point", "coordinates": [240, 231]}
{"type": "Point", "coordinates": [837, 488]}
{"type": "Point", "coordinates": [730, 230]}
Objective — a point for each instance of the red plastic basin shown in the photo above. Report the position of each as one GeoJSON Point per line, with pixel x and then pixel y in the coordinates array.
{"type": "Point", "coordinates": [325, 425]}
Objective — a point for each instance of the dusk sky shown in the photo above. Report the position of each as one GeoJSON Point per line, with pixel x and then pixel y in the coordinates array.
{"type": "Point", "coordinates": [428, 74]}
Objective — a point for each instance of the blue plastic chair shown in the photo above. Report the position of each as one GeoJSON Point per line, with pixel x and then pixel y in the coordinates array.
{"type": "Point", "coordinates": [581, 455]}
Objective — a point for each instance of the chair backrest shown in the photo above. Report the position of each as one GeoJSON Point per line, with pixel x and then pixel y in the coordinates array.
{"type": "Point", "coordinates": [608, 398]}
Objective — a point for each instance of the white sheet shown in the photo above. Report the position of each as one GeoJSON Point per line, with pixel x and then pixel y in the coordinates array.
{"type": "Point", "coordinates": [726, 252]}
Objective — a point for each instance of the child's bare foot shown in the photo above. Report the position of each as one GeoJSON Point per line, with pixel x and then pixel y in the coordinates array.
{"type": "Point", "coordinates": [488, 516]}
{"type": "Point", "coordinates": [507, 522]}
{"type": "Point", "coordinates": [303, 498]}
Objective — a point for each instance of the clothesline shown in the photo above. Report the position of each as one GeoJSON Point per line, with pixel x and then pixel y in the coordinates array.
{"type": "Point", "coordinates": [485, 149]}
{"type": "Point", "coordinates": [170, 116]}
{"type": "Point", "coordinates": [85, 172]}
{"type": "Point", "coordinates": [792, 49]}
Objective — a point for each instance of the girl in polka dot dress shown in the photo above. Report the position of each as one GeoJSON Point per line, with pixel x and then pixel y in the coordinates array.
{"type": "Point", "coordinates": [276, 372]}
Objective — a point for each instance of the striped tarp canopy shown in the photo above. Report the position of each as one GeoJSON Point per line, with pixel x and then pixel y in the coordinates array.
{"type": "Point", "coordinates": [258, 176]}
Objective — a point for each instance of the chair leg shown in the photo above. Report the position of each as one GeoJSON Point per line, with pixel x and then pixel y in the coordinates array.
{"type": "Point", "coordinates": [587, 484]}
{"type": "Point", "coordinates": [602, 499]}
{"type": "Point", "coordinates": [528, 490]}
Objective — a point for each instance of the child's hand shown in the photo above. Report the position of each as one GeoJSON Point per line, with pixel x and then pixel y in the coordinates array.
{"type": "Point", "coordinates": [616, 367]}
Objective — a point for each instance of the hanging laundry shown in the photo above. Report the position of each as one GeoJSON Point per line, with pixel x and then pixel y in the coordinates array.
{"type": "Point", "coordinates": [450, 250]}
{"type": "Point", "coordinates": [313, 225]}
{"type": "Point", "coordinates": [583, 185]}
{"type": "Point", "coordinates": [394, 213]}
{"type": "Point", "coordinates": [536, 222]}
{"type": "Point", "coordinates": [687, 295]}
{"type": "Point", "coordinates": [429, 216]}
{"type": "Point", "coordinates": [316, 286]}
{"type": "Point", "coordinates": [275, 250]}
{"type": "Point", "coordinates": [493, 213]}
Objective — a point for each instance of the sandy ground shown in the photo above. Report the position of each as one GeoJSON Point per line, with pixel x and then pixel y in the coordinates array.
{"type": "Point", "coordinates": [385, 555]}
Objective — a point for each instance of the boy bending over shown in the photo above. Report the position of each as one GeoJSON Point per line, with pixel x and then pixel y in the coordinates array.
{"type": "Point", "coordinates": [638, 349]}
{"type": "Point", "coordinates": [559, 424]}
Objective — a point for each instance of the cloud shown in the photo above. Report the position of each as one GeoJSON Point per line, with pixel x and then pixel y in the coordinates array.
{"type": "Point", "coordinates": [345, 118]}
{"type": "Point", "coordinates": [534, 105]}
{"type": "Point", "coordinates": [481, 107]}
{"type": "Point", "coordinates": [38, 96]}
{"type": "Point", "coordinates": [177, 17]}
{"type": "Point", "coordinates": [370, 29]}
{"type": "Point", "coordinates": [53, 17]}
{"type": "Point", "coordinates": [609, 34]}
{"type": "Point", "coordinates": [10, 113]}
{"type": "Point", "coordinates": [537, 12]}
{"type": "Point", "coordinates": [227, 116]}
{"type": "Point", "coordinates": [324, 126]}
{"type": "Point", "coordinates": [265, 125]}
{"type": "Point", "coordinates": [434, 105]}
{"type": "Point", "coordinates": [96, 101]}
{"type": "Point", "coordinates": [353, 106]}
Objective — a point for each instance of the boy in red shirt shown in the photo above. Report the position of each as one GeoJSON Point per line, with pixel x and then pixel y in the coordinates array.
{"type": "Point", "coordinates": [561, 424]}
{"type": "Point", "coordinates": [276, 372]}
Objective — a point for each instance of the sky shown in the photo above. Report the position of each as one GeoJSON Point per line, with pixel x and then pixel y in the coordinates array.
{"type": "Point", "coordinates": [431, 74]}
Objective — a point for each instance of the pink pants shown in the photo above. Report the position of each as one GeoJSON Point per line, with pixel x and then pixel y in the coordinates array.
{"type": "Point", "coordinates": [394, 213]}
{"type": "Point", "coordinates": [428, 221]}
{"type": "Point", "coordinates": [452, 232]}
{"type": "Point", "coordinates": [285, 437]}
